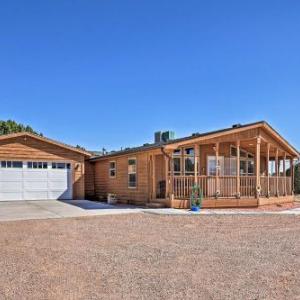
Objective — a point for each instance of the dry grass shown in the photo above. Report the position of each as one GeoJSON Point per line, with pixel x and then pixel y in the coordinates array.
{"type": "Point", "coordinates": [149, 257]}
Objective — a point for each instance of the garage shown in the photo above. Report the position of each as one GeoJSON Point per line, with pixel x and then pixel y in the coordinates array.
{"type": "Point", "coordinates": [35, 180]}
{"type": "Point", "coordinates": [36, 168]}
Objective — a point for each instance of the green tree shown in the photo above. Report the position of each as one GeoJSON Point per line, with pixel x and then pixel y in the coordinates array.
{"type": "Point", "coordinates": [297, 178]}
{"type": "Point", "coordinates": [11, 126]}
{"type": "Point", "coordinates": [80, 147]}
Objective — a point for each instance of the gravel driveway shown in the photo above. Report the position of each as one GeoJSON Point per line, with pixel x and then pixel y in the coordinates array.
{"type": "Point", "coordinates": [145, 256]}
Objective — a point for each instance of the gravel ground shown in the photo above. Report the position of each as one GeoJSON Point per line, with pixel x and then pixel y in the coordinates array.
{"type": "Point", "coordinates": [149, 257]}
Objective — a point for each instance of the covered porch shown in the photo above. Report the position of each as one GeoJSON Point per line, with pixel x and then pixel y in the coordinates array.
{"type": "Point", "coordinates": [245, 169]}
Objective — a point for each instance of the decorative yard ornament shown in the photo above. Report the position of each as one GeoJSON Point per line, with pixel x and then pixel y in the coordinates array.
{"type": "Point", "coordinates": [258, 191]}
{"type": "Point", "coordinates": [196, 198]}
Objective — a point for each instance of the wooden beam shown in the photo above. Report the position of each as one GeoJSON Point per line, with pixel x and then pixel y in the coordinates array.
{"type": "Point", "coordinates": [172, 178]}
{"type": "Point", "coordinates": [196, 159]}
{"type": "Point", "coordinates": [268, 169]}
{"type": "Point", "coordinates": [284, 174]}
{"type": "Point", "coordinates": [258, 186]}
{"type": "Point", "coordinates": [217, 170]}
{"type": "Point", "coordinates": [238, 170]}
{"type": "Point", "coordinates": [292, 175]}
{"type": "Point", "coordinates": [182, 164]}
{"type": "Point", "coordinates": [153, 178]}
{"type": "Point", "coordinates": [199, 161]}
{"type": "Point", "coordinates": [167, 160]}
{"type": "Point", "coordinates": [276, 171]}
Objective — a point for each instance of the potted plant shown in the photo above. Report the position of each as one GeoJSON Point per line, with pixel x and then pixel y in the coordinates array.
{"type": "Point", "coordinates": [196, 198]}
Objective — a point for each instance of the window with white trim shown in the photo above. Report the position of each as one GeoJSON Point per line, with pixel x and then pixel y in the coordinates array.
{"type": "Point", "coordinates": [132, 176]}
{"type": "Point", "coordinates": [112, 169]}
{"type": "Point", "coordinates": [246, 161]}
{"type": "Point", "coordinates": [61, 166]}
{"type": "Point", "coordinates": [189, 161]}
{"type": "Point", "coordinates": [37, 165]}
{"type": "Point", "coordinates": [177, 162]}
{"type": "Point", "coordinates": [212, 165]}
{"type": "Point", "coordinates": [11, 164]}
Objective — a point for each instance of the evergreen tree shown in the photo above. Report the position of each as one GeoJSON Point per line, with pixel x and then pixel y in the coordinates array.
{"type": "Point", "coordinates": [11, 126]}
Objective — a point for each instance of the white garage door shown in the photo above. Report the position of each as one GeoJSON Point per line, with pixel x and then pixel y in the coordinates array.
{"type": "Point", "coordinates": [35, 180]}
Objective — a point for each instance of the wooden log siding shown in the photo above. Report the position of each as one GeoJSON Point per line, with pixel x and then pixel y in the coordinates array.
{"type": "Point", "coordinates": [29, 148]}
{"type": "Point", "coordinates": [259, 141]}
{"type": "Point", "coordinates": [119, 185]}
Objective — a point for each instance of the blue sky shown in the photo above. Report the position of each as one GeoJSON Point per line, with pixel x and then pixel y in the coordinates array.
{"type": "Point", "coordinates": [110, 73]}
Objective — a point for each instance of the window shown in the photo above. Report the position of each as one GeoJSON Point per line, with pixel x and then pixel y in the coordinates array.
{"type": "Point", "coordinates": [189, 161]}
{"type": "Point", "coordinates": [243, 167]}
{"type": "Point", "coordinates": [246, 162]}
{"type": "Point", "coordinates": [132, 178]}
{"type": "Point", "coordinates": [177, 161]}
{"type": "Point", "coordinates": [243, 153]}
{"type": "Point", "coordinates": [176, 165]}
{"type": "Point", "coordinates": [184, 161]}
{"type": "Point", "coordinates": [177, 152]}
{"type": "Point", "coordinates": [12, 164]}
{"type": "Point", "coordinates": [212, 166]}
{"type": "Point", "coordinates": [250, 167]}
{"type": "Point", "coordinates": [61, 166]}
{"type": "Point", "coordinates": [189, 151]}
{"type": "Point", "coordinates": [112, 169]}
{"type": "Point", "coordinates": [189, 165]}
{"type": "Point", "coordinates": [233, 151]}
{"type": "Point", "coordinates": [37, 165]}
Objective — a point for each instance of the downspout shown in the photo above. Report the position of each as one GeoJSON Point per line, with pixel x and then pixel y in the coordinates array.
{"type": "Point", "coordinates": [162, 149]}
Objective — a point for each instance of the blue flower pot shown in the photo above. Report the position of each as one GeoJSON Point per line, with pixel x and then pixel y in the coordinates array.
{"type": "Point", "coordinates": [195, 208]}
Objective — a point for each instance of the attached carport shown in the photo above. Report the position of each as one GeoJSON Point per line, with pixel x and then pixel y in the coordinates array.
{"type": "Point", "coordinates": [33, 167]}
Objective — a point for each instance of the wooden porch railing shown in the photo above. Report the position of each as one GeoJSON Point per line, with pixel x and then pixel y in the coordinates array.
{"type": "Point", "coordinates": [228, 186]}
{"type": "Point", "coordinates": [182, 186]}
{"type": "Point", "coordinates": [284, 186]}
{"type": "Point", "coordinates": [248, 186]}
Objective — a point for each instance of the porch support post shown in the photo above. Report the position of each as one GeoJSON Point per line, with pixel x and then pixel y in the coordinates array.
{"type": "Point", "coordinates": [199, 160]}
{"type": "Point", "coordinates": [217, 171]}
{"type": "Point", "coordinates": [153, 178]}
{"type": "Point", "coordinates": [238, 170]}
{"type": "Point", "coordinates": [182, 164]}
{"type": "Point", "coordinates": [268, 170]}
{"type": "Point", "coordinates": [284, 174]}
{"type": "Point", "coordinates": [258, 187]}
{"type": "Point", "coordinates": [277, 172]}
{"type": "Point", "coordinates": [196, 167]}
{"type": "Point", "coordinates": [167, 160]}
{"type": "Point", "coordinates": [292, 174]}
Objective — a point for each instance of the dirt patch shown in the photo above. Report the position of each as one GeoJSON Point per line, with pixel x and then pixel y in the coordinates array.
{"type": "Point", "coordinates": [149, 257]}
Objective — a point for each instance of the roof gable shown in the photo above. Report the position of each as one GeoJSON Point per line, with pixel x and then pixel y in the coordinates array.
{"type": "Point", "coordinates": [207, 135]}
{"type": "Point", "coordinates": [45, 140]}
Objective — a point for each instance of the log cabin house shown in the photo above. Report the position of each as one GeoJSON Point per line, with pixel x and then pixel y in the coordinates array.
{"type": "Point", "coordinates": [242, 166]}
